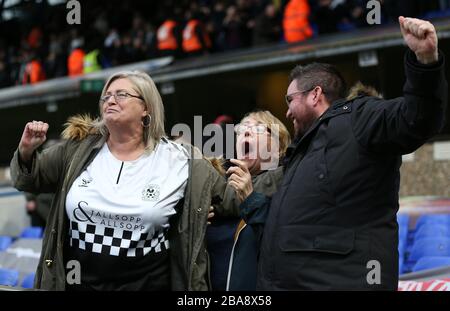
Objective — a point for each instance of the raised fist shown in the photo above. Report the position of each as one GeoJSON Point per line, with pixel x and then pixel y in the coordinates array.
{"type": "Point", "coordinates": [34, 135]}
{"type": "Point", "coordinates": [421, 38]}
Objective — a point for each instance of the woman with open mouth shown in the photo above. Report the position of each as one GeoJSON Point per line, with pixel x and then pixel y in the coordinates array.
{"type": "Point", "coordinates": [261, 142]}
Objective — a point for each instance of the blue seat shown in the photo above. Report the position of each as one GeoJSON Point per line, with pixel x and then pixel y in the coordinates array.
{"type": "Point", "coordinates": [431, 262]}
{"type": "Point", "coordinates": [436, 14]}
{"type": "Point", "coordinates": [430, 247]}
{"type": "Point", "coordinates": [429, 230]}
{"type": "Point", "coordinates": [9, 277]}
{"type": "Point", "coordinates": [5, 242]}
{"type": "Point", "coordinates": [344, 27]}
{"type": "Point", "coordinates": [315, 29]}
{"type": "Point", "coordinates": [403, 220]}
{"type": "Point", "coordinates": [435, 219]}
{"type": "Point", "coordinates": [403, 226]}
{"type": "Point", "coordinates": [28, 281]}
{"type": "Point", "coordinates": [403, 223]}
{"type": "Point", "coordinates": [32, 233]}
{"type": "Point", "coordinates": [400, 265]}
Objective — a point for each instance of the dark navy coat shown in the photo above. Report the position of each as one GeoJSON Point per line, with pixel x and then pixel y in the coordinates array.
{"type": "Point", "coordinates": [335, 211]}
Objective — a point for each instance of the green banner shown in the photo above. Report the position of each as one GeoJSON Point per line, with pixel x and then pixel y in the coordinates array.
{"type": "Point", "coordinates": [91, 86]}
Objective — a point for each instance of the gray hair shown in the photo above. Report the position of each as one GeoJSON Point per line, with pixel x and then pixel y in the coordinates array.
{"type": "Point", "coordinates": [146, 88]}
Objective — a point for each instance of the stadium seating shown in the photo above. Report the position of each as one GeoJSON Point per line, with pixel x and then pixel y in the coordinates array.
{"type": "Point", "coordinates": [9, 277]}
{"type": "Point", "coordinates": [32, 233]}
{"type": "Point", "coordinates": [430, 247]}
{"type": "Point", "coordinates": [345, 27]}
{"type": "Point", "coordinates": [429, 230]}
{"type": "Point", "coordinates": [435, 219]}
{"type": "Point", "coordinates": [28, 281]}
{"type": "Point", "coordinates": [425, 244]}
{"type": "Point", "coordinates": [5, 242]}
{"type": "Point", "coordinates": [431, 262]}
{"type": "Point", "coordinates": [403, 223]}
{"type": "Point", "coordinates": [401, 264]}
{"type": "Point", "coordinates": [436, 14]}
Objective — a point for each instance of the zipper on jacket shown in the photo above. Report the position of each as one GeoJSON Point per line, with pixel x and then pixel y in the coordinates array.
{"type": "Point", "coordinates": [230, 264]}
{"type": "Point", "coordinates": [120, 172]}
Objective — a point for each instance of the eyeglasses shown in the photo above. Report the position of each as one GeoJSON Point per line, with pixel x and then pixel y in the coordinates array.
{"type": "Point", "coordinates": [119, 97]}
{"type": "Point", "coordinates": [257, 128]}
{"type": "Point", "coordinates": [290, 97]}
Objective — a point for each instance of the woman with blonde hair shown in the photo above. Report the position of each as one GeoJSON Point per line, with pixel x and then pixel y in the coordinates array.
{"type": "Point", "coordinates": [261, 143]}
{"type": "Point", "coordinates": [130, 206]}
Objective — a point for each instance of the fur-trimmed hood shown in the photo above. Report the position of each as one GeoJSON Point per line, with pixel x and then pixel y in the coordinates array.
{"type": "Point", "coordinates": [79, 127]}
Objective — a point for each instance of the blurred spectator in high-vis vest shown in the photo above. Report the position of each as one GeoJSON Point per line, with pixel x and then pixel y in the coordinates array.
{"type": "Point", "coordinates": [75, 61]}
{"type": "Point", "coordinates": [91, 63]}
{"type": "Point", "coordinates": [295, 21]}
{"type": "Point", "coordinates": [195, 38]}
{"type": "Point", "coordinates": [34, 71]}
{"type": "Point", "coordinates": [168, 37]}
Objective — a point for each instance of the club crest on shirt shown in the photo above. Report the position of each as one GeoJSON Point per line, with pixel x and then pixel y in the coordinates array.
{"type": "Point", "coordinates": [150, 193]}
{"type": "Point", "coordinates": [85, 182]}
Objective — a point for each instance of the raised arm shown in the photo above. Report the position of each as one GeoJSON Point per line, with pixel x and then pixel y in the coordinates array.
{"type": "Point", "coordinates": [33, 136]}
{"type": "Point", "coordinates": [420, 36]}
{"type": "Point", "coordinates": [33, 171]}
{"type": "Point", "coordinates": [403, 124]}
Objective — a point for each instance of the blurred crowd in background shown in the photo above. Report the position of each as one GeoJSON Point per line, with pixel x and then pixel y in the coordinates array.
{"type": "Point", "coordinates": [41, 45]}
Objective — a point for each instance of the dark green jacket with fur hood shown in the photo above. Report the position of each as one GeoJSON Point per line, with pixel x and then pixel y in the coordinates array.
{"type": "Point", "coordinates": [56, 168]}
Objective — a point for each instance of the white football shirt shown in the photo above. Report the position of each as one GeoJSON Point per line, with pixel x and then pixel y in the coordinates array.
{"type": "Point", "coordinates": [122, 208]}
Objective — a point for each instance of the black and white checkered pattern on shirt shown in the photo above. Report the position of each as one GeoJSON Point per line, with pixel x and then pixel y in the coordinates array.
{"type": "Point", "coordinates": [116, 242]}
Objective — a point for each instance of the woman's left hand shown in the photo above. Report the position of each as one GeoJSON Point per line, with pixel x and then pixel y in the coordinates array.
{"type": "Point", "coordinates": [240, 179]}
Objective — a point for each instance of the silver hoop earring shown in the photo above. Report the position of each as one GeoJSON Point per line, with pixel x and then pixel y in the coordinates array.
{"type": "Point", "coordinates": [146, 120]}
